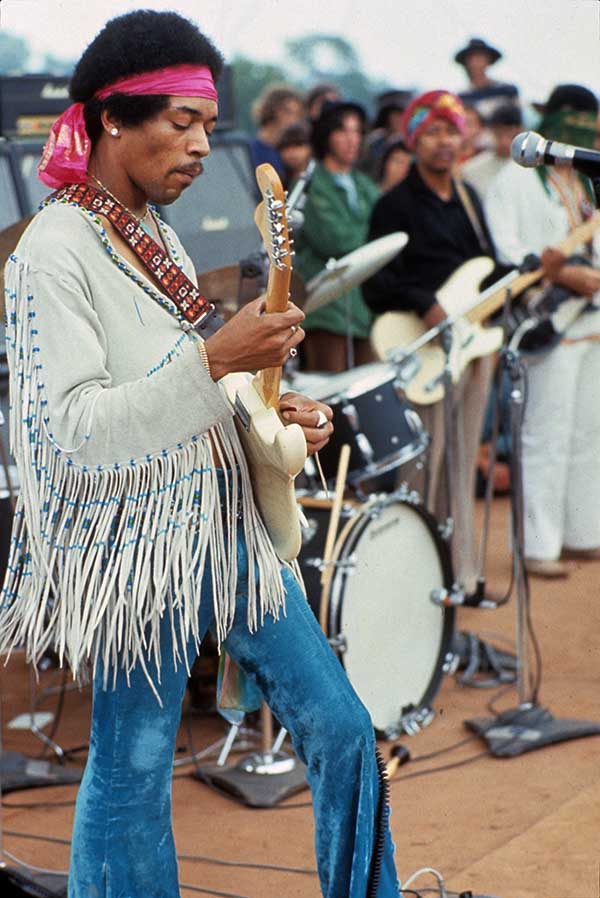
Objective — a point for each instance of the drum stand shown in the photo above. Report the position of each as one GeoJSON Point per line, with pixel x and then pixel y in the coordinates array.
{"type": "Point", "coordinates": [528, 726]}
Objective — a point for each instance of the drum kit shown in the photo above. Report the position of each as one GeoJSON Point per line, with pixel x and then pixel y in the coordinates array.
{"type": "Point", "coordinates": [389, 558]}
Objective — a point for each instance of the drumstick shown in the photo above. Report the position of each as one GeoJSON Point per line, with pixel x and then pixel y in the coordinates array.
{"type": "Point", "coordinates": [334, 519]}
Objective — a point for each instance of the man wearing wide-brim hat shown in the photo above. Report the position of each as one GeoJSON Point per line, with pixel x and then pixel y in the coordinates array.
{"type": "Point", "coordinates": [484, 93]}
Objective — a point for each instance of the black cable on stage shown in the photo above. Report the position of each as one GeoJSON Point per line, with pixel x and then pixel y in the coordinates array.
{"type": "Point", "coordinates": [183, 885]}
{"type": "Point", "coordinates": [442, 751]}
{"type": "Point", "coordinates": [441, 768]}
{"type": "Point", "coordinates": [41, 804]}
{"type": "Point", "coordinates": [197, 858]}
{"type": "Point", "coordinates": [36, 838]}
{"type": "Point", "coordinates": [491, 703]}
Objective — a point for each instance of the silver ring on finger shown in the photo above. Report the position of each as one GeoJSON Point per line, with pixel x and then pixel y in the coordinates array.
{"type": "Point", "coordinates": [293, 352]}
{"type": "Point", "coordinates": [293, 329]}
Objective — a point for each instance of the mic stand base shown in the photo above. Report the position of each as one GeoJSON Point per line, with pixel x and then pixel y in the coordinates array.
{"type": "Point", "coordinates": [258, 780]}
{"type": "Point", "coordinates": [527, 728]}
{"type": "Point", "coordinates": [22, 883]}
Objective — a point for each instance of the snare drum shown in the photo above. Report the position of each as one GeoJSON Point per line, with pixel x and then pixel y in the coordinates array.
{"type": "Point", "coordinates": [377, 613]}
{"type": "Point", "coordinates": [372, 415]}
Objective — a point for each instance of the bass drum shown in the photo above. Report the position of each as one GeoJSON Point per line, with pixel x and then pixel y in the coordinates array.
{"type": "Point", "coordinates": [377, 613]}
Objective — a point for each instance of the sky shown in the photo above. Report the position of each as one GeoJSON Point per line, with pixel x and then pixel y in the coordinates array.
{"type": "Point", "coordinates": [405, 42]}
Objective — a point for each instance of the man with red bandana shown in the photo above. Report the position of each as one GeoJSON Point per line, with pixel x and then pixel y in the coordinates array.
{"type": "Point", "coordinates": [428, 207]}
{"type": "Point", "coordinates": [136, 528]}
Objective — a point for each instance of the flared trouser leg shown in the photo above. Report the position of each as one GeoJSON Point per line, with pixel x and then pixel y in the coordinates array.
{"type": "Point", "coordinates": [122, 839]}
{"type": "Point", "coordinates": [308, 691]}
{"type": "Point", "coordinates": [122, 845]}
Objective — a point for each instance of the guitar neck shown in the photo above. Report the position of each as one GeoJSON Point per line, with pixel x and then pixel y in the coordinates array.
{"type": "Point", "coordinates": [490, 304]}
{"type": "Point", "coordinates": [278, 288]}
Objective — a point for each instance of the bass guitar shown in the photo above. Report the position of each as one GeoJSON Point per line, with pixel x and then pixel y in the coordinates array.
{"type": "Point", "coordinates": [460, 296]}
{"type": "Point", "coordinates": [276, 452]}
{"type": "Point", "coordinates": [393, 331]}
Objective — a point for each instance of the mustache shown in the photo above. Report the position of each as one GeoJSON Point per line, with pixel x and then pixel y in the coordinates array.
{"type": "Point", "coordinates": [194, 169]}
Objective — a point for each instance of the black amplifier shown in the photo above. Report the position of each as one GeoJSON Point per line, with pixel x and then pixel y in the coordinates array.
{"type": "Point", "coordinates": [30, 103]}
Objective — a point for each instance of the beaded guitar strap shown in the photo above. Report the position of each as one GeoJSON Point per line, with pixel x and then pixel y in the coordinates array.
{"type": "Point", "coordinates": [174, 283]}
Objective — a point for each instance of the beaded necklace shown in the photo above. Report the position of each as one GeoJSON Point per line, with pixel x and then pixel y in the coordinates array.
{"type": "Point", "coordinates": [138, 219]}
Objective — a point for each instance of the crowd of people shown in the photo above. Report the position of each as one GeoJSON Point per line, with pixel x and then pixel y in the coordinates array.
{"type": "Point", "coordinates": [437, 166]}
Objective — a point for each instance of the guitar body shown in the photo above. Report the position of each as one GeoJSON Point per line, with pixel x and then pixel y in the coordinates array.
{"type": "Point", "coordinates": [394, 330]}
{"type": "Point", "coordinates": [275, 453]}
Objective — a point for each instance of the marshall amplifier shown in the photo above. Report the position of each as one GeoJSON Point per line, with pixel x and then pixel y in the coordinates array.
{"type": "Point", "coordinates": [30, 103]}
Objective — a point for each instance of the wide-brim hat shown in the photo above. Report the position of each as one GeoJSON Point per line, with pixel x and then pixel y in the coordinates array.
{"type": "Point", "coordinates": [568, 95]}
{"type": "Point", "coordinates": [477, 45]}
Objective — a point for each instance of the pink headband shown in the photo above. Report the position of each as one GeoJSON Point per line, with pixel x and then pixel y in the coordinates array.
{"type": "Point", "coordinates": [66, 153]}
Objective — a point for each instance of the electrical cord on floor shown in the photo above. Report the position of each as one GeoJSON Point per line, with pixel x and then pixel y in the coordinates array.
{"type": "Point", "coordinates": [189, 888]}
{"type": "Point", "coordinates": [27, 866]}
{"type": "Point", "coordinates": [433, 872]}
{"type": "Point", "coordinates": [196, 858]}
{"type": "Point", "coordinates": [441, 768]}
{"type": "Point", "coordinates": [199, 858]}
{"type": "Point", "coordinates": [40, 804]}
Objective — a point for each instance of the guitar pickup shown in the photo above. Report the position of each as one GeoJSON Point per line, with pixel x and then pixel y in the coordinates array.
{"type": "Point", "coordinates": [242, 412]}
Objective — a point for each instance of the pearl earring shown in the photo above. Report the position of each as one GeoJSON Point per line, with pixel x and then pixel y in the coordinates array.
{"type": "Point", "coordinates": [114, 132]}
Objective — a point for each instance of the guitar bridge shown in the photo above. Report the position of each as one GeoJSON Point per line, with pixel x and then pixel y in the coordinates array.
{"type": "Point", "coordinates": [242, 412]}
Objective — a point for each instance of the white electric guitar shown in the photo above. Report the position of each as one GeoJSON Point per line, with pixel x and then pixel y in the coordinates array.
{"type": "Point", "coordinates": [459, 295]}
{"type": "Point", "coordinates": [395, 330]}
{"type": "Point", "coordinates": [275, 452]}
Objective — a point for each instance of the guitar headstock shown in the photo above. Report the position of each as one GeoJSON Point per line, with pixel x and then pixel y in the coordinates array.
{"type": "Point", "coordinates": [271, 218]}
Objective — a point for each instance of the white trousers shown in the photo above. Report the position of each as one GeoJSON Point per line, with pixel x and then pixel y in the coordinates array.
{"type": "Point", "coordinates": [469, 401]}
{"type": "Point", "coordinates": [561, 450]}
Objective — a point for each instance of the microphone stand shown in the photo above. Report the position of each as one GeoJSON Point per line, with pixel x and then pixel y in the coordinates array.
{"type": "Point", "coordinates": [528, 726]}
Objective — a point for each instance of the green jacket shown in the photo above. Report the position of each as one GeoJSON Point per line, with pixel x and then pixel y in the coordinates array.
{"type": "Point", "coordinates": [331, 230]}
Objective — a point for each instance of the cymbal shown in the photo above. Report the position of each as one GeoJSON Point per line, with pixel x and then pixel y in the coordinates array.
{"type": "Point", "coordinates": [340, 275]}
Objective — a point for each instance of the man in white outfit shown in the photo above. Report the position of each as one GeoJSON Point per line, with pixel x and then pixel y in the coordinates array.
{"type": "Point", "coordinates": [530, 212]}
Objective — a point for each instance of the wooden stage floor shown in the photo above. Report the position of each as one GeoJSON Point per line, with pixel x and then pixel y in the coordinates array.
{"type": "Point", "coordinates": [526, 827]}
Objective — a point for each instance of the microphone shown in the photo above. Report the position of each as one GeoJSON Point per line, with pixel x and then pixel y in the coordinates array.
{"type": "Point", "coordinates": [531, 150]}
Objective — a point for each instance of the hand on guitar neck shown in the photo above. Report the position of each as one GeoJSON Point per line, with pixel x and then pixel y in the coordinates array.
{"type": "Point", "coordinates": [581, 279]}
{"type": "Point", "coordinates": [434, 315]}
{"type": "Point", "coordinates": [252, 340]}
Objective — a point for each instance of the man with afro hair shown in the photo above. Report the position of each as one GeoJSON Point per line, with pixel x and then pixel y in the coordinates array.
{"type": "Point", "coordinates": [136, 528]}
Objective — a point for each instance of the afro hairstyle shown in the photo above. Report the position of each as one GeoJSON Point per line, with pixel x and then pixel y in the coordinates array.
{"type": "Point", "coordinates": [131, 44]}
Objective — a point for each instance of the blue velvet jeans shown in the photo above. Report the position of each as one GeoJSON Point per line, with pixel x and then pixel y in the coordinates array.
{"type": "Point", "coordinates": [122, 839]}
